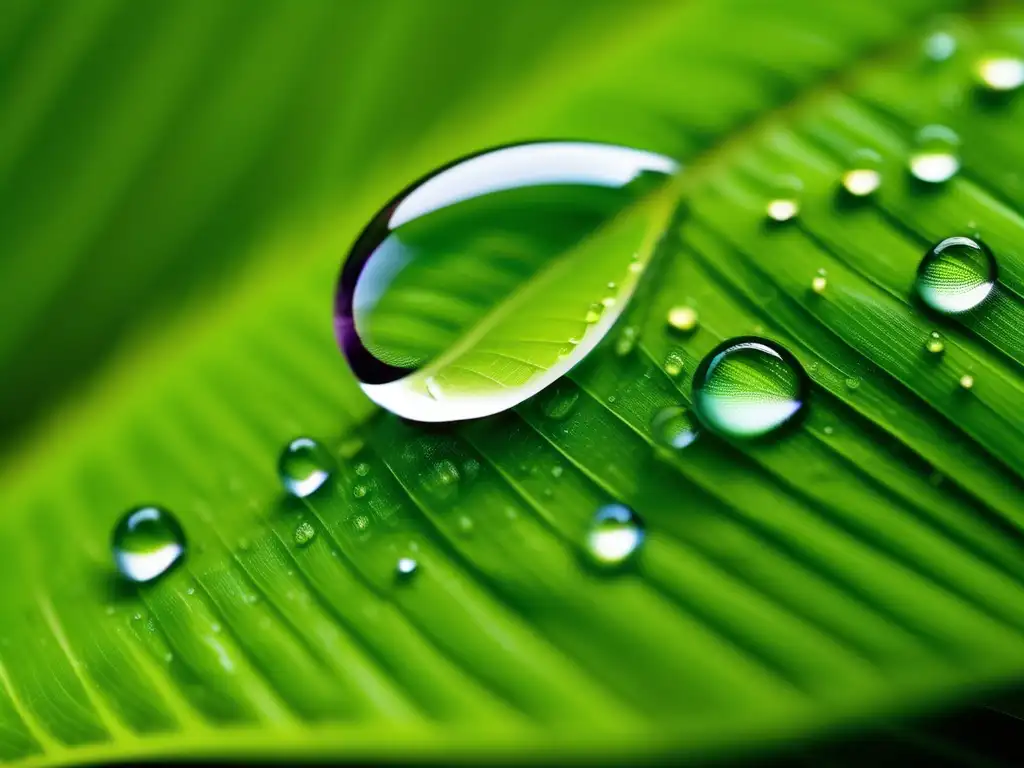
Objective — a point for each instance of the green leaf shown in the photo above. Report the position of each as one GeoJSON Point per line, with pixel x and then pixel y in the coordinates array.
{"type": "Point", "coordinates": [180, 184]}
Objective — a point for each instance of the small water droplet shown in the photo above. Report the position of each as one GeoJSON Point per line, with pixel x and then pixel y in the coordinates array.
{"type": "Point", "coordinates": [406, 567]}
{"type": "Point", "coordinates": [304, 533]}
{"type": "Point", "coordinates": [673, 364]}
{"type": "Point", "coordinates": [852, 382]}
{"type": "Point", "coordinates": [593, 313]}
{"type": "Point", "coordinates": [939, 45]}
{"type": "Point", "coordinates": [362, 469]}
{"type": "Point", "coordinates": [147, 541]}
{"type": "Point", "coordinates": [465, 525]}
{"type": "Point", "coordinates": [935, 345]}
{"type": "Point", "coordinates": [956, 275]}
{"type": "Point", "coordinates": [819, 282]}
{"type": "Point", "coordinates": [674, 428]}
{"type": "Point", "coordinates": [470, 468]}
{"type": "Point", "coordinates": [615, 536]}
{"type": "Point", "coordinates": [749, 387]}
{"type": "Point", "coordinates": [191, 590]}
{"type": "Point", "coordinates": [559, 400]}
{"type": "Point", "coordinates": [304, 466]}
{"type": "Point", "coordinates": [935, 156]}
{"type": "Point", "coordinates": [608, 302]}
{"type": "Point", "coordinates": [626, 341]}
{"type": "Point", "coordinates": [828, 430]}
{"type": "Point", "coordinates": [1000, 72]}
{"type": "Point", "coordinates": [864, 174]}
{"type": "Point", "coordinates": [359, 491]}
{"type": "Point", "coordinates": [683, 319]}
{"type": "Point", "coordinates": [967, 381]}
{"type": "Point", "coordinates": [441, 480]}
{"type": "Point", "coordinates": [557, 471]}
{"type": "Point", "coordinates": [784, 203]}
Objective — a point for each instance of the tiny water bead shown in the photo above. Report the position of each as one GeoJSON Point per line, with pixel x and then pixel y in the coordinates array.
{"type": "Point", "coordinates": [956, 275]}
{"type": "Point", "coordinates": [615, 536]}
{"type": "Point", "coordinates": [484, 282]}
{"type": "Point", "coordinates": [784, 204]}
{"type": "Point", "coordinates": [749, 387]}
{"type": "Point", "coordinates": [935, 345]}
{"type": "Point", "coordinates": [627, 340]}
{"type": "Point", "coordinates": [864, 176]}
{"type": "Point", "coordinates": [1000, 72]}
{"type": "Point", "coordinates": [935, 156]}
{"type": "Point", "coordinates": [147, 541]}
{"type": "Point", "coordinates": [674, 428]}
{"type": "Point", "coordinates": [673, 364]}
{"type": "Point", "coordinates": [819, 282]}
{"type": "Point", "coordinates": [683, 319]}
{"type": "Point", "coordinates": [939, 45]}
{"type": "Point", "coordinates": [304, 533]}
{"type": "Point", "coordinates": [406, 568]}
{"type": "Point", "coordinates": [967, 381]}
{"type": "Point", "coordinates": [304, 466]}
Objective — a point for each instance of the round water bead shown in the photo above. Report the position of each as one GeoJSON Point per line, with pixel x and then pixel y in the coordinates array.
{"type": "Point", "coordinates": [406, 567]}
{"type": "Point", "coordinates": [749, 387]}
{"type": "Point", "coordinates": [956, 275]}
{"type": "Point", "coordinates": [1000, 72]}
{"type": "Point", "coordinates": [784, 204]}
{"type": "Point", "coordinates": [615, 536]}
{"type": "Point", "coordinates": [683, 319]}
{"type": "Point", "coordinates": [935, 345]}
{"type": "Point", "coordinates": [487, 280]}
{"type": "Point", "coordinates": [935, 156]}
{"type": "Point", "coordinates": [864, 174]}
{"type": "Point", "coordinates": [674, 428]}
{"type": "Point", "coordinates": [304, 466]}
{"type": "Point", "coordinates": [147, 541]}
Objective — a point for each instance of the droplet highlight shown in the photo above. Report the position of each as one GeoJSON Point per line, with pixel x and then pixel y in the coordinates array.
{"type": "Point", "coordinates": [406, 568]}
{"type": "Point", "coordinates": [147, 542]}
{"type": "Point", "coordinates": [1000, 73]}
{"type": "Point", "coordinates": [864, 176]}
{"type": "Point", "coordinates": [615, 536]}
{"type": "Point", "coordinates": [304, 466]}
{"type": "Point", "coordinates": [935, 156]}
{"type": "Point", "coordinates": [784, 204]}
{"type": "Point", "coordinates": [422, 307]}
{"type": "Point", "coordinates": [956, 275]}
{"type": "Point", "coordinates": [674, 428]}
{"type": "Point", "coordinates": [749, 387]}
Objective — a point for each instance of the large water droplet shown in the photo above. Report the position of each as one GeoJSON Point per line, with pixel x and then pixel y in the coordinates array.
{"type": "Point", "coordinates": [674, 428]}
{"type": "Point", "coordinates": [615, 535]}
{"type": "Point", "coordinates": [1000, 72]}
{"type": "Point", "coordinates": [304, 466]}
{"type": "Point", "coordinates": [748, 387]}
{"type": "Point", "coordinates": [147, 542]}
{"type": "Point", "coordinates": [935, 156]}
{"type": "Point", "coordinates": [956, 275]}
{"type": "Point", "coordinates": [484, 282]}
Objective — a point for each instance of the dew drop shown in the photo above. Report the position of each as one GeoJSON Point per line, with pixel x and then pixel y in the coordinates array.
{"type": "Point", "coordinates": [362, 469]}
{"type": "Point", "coordinates": [935, 156]}
{"type": "Point", "coordinates": [406, 567]}
{"type": "Point", "coordinates": [304, 533]}
{"type": "Point", "coordinates": [819, 282]}
{"type": "Point", "coordinates": [557, 470]}
{"type": "Point", "coordinates": [864, 176]}
{"type": "Point", "coordinates": [147, 541]}
{"type": "Point", "coordinates": [566, 213]}
{"type": "Point", "coordinates": [626, 341]}
{"type": "Point", "coordinates": [360, 491]}
{"type": "Point", "coordinates": [673, 364]}
{"type": "Point", "coordinates": [852, 382]}
{"type": "Point", "coordinates": [1000, 72]}
{"type": "Point", "coordinates": [967, 381]}
{"type": "Point", "coordinates": [683, 319]}
{"type": "Point", "coordinates": [304, 466]}
{"type": "Point", "coordinates": [784, 203]}
{"type": "Point", "coordinates": [559, 400]}
{"type": "Point", "coordinates": [615, 536]}
{"type": "Point", "coordinates": [935, 345]}
{"type": "Point", "coordinates": [674, 428]}
{"type": "Point", "coordinates": [956, 275]}
{"type": "Point", "coordinates": [939, 45]}
{"type": "Point", "coordinates": [441, 480]}
{"type": "Point", "coordinates": [749, 387]}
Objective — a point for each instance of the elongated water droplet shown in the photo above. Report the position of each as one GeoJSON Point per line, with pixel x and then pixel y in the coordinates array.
{"type": "Point", "coordinates": [615, 535]}
{"type": "Point", "coordinates": [424, 304]}
{"type": "Point", "coordinates": [673, 364]}
{"type": "Point", "coordinates": [304, 466]}
{"type": "Point", "coordinates": [749, 387]}
{"type": "Point", "coordinates": [864, 176]}
{"type": "Point", "coordinates": [683, 319]}
{"type": "Point", "coordinates": [1000, 72]}
{"type": "Point", "coordinates": [147, 541]}
{"type": "Point", "coordinates": [304, 533]}
{"type": "Point", "coordinates": [560, 400]}
{"type": "Point", "coordinates": [935, 345]}
{"type": "Point", "coordinates": [406, 568]}
{"type": "Point", "coordinates": [935, 156]}
{"type": "Point", "coordinates": [784, 204]}
{"type": "Point", "coordinates": [956, 275]}
{"type": "Point", "coordinates": [674, 428]}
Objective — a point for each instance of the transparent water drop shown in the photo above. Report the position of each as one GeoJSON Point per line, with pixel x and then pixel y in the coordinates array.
{"type": "Point", "coordinates": [674, 428]}
{"type": "Point", "coordinates": [557, 471]}
{"type": "Point", "coordinates": [852, 382]}
{"type": "Point", "coordinates": [441, 480]}
{"type": "Point", "coordinates": [360, 491]}
{"type": "Point", "coordinates": [627, 340]}
{"type": "Point", "coordinates": [940, 45]}
{"type": "Point", "coordinates": [749, 387]}
{"type": "Point", "coordinates": [683, 319]}
{"type": "Point", "coordinates": [956, 275]}
{"type": "Point", "coordinates": [147, 541]}
{"type": "Point", "coordinates": [406, 568]}
{"type": "Point", "coordinates": [362, 469]}
{"type": "Point", "coordinates": [470, 469]}
{"type": "Point", "coordinates": [935, 345]}
{"type": "Point", "coordinates": [304, 466]}
{"type": "Point", "coordinates": [784, 203]}
{"type": "Point", "coordinates": [967, 381]}
{"type": "Point", "coordinates": [615, 536]}
{"type": "Point", "coordinates": [304, 533]}
{"type": "Point", "coordinates": [673, 364]}
{"type": "Point", "coordinates": [864, 174]}
{"type": "Point", "coordinates": [564, 213]}
{"type": "Point", "coordinates": [819, 282]}
{"type": "Point", "coordinates": [1000, 72]}
{"type": "Point", "coordinates": [560, 400]}
{"type": "Point", "coordinates": [935, 156]}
